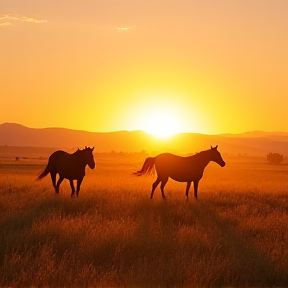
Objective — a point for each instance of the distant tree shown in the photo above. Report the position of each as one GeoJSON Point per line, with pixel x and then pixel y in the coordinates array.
{"type": "Point", "coordinates": [274, 158]}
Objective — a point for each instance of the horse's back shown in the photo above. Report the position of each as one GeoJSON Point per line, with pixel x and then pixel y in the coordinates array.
{"type": "Point", "coordinates": [168, 161]}
{"type": "Point", "coordinates": [58, 160]}
{"type": "Point", "coordinates": [169, 158]}
{"type": "Point", "coordinates": [67, 165]}
{"type": "Point", "coordinates": [179, 168]}
{"type": "Point", "coordinates": [59, 154]}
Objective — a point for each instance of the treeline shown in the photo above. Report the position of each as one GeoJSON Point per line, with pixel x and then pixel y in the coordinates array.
{"type": "Point", "coordinates": [274, 158]}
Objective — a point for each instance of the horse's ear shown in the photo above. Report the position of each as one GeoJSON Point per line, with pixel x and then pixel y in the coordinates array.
{"type": "Point", "coordinates": [211, 147]}
{"type": "Point", "coordinates": [85, 147]}
{"type": "Point", "coordinates": [216, 146]}
{"type": "Point", "coordinates": [92, 148]}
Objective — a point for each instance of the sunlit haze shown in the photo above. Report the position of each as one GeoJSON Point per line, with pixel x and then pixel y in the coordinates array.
{"type": "Point", "coordinates": [160, 66]}
{"type": "Point", "coordinates": [162, 124]}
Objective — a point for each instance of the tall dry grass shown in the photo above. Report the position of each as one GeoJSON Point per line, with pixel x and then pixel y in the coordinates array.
{"type": "Point", "coordinates": [113, 235]}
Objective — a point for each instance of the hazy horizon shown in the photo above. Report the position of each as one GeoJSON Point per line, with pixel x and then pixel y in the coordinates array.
{"type": "Point", "coordinates": [123, 130]}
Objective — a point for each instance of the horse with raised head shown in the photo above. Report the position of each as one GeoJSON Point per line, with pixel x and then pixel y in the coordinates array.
{"type": "Point", "coordinates": [182, 169]}
{"type": "Point", "coordinates": [69, 166]}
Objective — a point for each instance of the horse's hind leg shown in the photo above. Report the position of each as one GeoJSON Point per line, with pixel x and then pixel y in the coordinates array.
{"type": "Point", "coordinates": [53, 178]}
{"type": "Point", "coordinates": [154, 185]}
{"type": "Point", "coordinates": [58, 184]}
{"type": "Point", "coordinates": [163, 183]}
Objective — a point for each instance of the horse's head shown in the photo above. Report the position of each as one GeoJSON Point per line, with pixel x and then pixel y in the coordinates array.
{"type": "Point", "coordinates": [89, 158]}
{"type": "Point", "coordinates": [216, 156]}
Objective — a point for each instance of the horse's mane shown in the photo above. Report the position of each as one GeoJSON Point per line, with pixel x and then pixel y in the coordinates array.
{"type": "Point", "coordinates": [199, 154]}
{"type": "Point", "coordinates": [202, 152]}
{"type": "Point", "coordinates": [78, 151]}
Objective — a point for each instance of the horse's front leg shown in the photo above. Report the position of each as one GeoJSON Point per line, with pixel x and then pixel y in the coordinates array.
{"type": "Point", "coordinates": [72, 188]}
{"type": "Point", "coordinates": [187, 188]}
{"type": "Point", "coordinates": [196, 188]}
{"type": "Point", "coordinates": [79, 181]}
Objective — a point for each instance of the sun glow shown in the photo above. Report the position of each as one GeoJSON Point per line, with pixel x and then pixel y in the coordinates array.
{"type": "Point", "coordinates": [162, 125]}
{"type": "Point", "coordinates": [161, 114]}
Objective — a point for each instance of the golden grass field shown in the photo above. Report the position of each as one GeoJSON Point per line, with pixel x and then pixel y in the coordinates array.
{"type": "Point", "coordinates": [113, 235]}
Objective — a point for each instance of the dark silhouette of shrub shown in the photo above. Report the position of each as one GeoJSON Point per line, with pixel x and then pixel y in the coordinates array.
{"type": "Point", "coordinates": [274, 158]}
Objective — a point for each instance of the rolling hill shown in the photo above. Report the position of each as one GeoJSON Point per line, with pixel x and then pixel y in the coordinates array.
{"type": "Point", "coordinates": [251, 143]}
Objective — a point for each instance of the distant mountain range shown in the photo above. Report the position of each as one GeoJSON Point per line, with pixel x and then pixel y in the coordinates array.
{"type": "Point", "coordinates": [251, 143]}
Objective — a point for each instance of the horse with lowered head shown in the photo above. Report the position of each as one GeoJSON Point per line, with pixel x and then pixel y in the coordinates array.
{"type": "Point", "coordinates": [69, 166]}
{"type": "Point", "coordinates": [181, 169]}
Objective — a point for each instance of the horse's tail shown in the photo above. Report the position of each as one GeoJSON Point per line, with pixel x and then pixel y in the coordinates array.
{"type": "Point", "coordinates": [147, 168]}
{"type": "Point", "coordinates": [44, 173]}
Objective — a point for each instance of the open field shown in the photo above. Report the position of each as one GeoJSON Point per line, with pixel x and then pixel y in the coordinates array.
{"type": "Point", "coordinates": [113, 235]}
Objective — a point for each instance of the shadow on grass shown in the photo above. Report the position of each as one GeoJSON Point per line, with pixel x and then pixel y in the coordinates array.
{"type": "Point", "coordinates": [18, 223]}
{"type": "Point", "coordinates": [216, 254]}
{"type": "Point", "coordinates": [247, 265]}
{"type": "Point", "coordinates": [172, 243]}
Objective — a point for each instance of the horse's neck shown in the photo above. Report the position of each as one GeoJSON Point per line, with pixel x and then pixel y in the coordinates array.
{"type": "Point", "coordinates": [80, 159]}
{"type": "Point", "coordinates": [203, 159]}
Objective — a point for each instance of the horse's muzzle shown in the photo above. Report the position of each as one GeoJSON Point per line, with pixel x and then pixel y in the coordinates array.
{"type": "Point", "coordinates": [223, 164]}
{"type": "Point", "coordinates": [92, 165]}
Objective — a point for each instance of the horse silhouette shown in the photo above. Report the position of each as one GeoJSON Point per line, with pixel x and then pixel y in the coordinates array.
{"type": "Point", "coordinates": [181, 169]}
{"type": "Point", "coordinates": [69, 166]}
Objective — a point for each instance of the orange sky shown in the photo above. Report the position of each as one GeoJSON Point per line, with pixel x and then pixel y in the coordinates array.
{"type": "Point", "coordinates": [212, 66]}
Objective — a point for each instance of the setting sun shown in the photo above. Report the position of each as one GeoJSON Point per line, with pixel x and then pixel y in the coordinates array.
{"type": "Point", "coordinates": [162, 125]}
{"type": "Point", "coordinates": [159, 113]}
